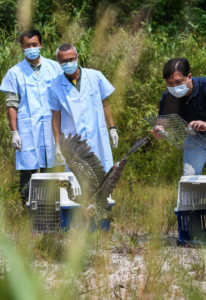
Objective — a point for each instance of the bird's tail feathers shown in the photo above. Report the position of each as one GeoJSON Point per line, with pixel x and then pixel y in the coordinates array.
{"type": "Point", "coordinates": [139, 143]}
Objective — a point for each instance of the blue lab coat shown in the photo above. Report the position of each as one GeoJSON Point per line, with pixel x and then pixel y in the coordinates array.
{"type": "Point", "coordinates": [82, 112]}
{"type": "Point", "coordinates": [34, 114]}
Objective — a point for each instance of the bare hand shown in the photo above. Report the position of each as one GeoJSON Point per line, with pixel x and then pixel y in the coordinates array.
{"type": "Point", "coordinates": [155, 132]}
{"type": "Point", "coordinates": [198, 125]}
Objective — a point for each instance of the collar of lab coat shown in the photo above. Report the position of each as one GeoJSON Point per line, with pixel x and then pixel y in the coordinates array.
{"type": "Point", "coordinates": [30, 72]}
{"type": "Point", "coordinates": [39, 64]}
{"type": "Point", "coordinates": [70, 86]}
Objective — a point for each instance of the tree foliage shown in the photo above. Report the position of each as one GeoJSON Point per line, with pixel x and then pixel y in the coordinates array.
{"type": "Point", "coordinates": [170, 15]}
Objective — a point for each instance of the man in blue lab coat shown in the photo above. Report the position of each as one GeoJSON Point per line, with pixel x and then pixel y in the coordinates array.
{"type": "Point", "coordinates": [78, 101]}
{"type": "Point", "coordinates": [29, 113]}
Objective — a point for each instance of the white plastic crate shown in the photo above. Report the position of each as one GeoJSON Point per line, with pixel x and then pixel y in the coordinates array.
{"type": "Point", "coordinates": [191, 193]}
{"type": "Point", "coordinates": [191, 208]}
{"type": "Point", "coordinates": [49, 206]}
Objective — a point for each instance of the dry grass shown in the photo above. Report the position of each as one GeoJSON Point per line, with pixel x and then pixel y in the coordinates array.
{"type": "Point", "coordinates": [137, 259]}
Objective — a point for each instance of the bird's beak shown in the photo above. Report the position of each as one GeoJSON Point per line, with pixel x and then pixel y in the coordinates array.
{"type": "Point", "coordinates": [61, 184]}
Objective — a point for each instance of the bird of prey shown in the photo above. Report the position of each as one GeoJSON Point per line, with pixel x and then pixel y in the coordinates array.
{"type": "Point", "coordinates": [96, 185]}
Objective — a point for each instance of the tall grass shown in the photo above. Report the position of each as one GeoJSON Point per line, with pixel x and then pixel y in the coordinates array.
{"type": "Point", "coordinates": [134, 260]}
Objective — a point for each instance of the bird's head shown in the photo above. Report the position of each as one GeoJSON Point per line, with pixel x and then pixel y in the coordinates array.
{"type": "Point", "coordinates": [62, 184]}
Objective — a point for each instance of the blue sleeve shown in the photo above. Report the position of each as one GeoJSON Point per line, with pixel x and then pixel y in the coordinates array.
{"type": "Point", "coordinates": [58, 69]}
{"type": "Point", "coordinates": [160, 113]}
{"type": "Point", "coordinates": [106, 89]}
{"type": "Point", "coordinates": [54, 103]}
{"type": "Point", "coordinates": [9, 83]}
{"type": "Point", "coordinates": [55, 66]}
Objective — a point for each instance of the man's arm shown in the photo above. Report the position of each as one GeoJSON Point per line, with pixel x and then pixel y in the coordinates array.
{"type": "Point", "coordinates": [16, 140]}
{"type": "Point", "coordinates": [158, 124]}
{"type": "Point", "coordinates": [12, 113]}
{"type": "Point", "coordinates": [56, 125]}
{"type": "Point", "coordinates": [107, 113]}
{"type": "Point", "coordinates": [56, 122]}
{"type": "Point", "coordinates": [109, 120]}
{"type": "Point", "coordinates": [9, 85]}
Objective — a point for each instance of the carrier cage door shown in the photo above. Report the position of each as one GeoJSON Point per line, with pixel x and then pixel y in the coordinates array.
{"type": "Point", "coordinates": [45, 205]}
{"type": "Point", "coordinates": [192, 195]}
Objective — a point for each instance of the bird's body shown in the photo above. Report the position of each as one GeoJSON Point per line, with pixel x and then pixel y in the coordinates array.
{"type": "Point", "coordinates": [96, 184]}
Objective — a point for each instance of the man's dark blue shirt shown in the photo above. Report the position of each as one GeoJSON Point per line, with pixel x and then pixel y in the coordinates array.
{"type": "Point", "coordinates": [190, 108]}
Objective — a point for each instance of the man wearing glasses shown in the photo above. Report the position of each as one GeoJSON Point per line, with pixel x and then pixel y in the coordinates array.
{"type": "Point", "coordinates": [78, 102]}
{"type": "Point", "coordinates": [185, 96]}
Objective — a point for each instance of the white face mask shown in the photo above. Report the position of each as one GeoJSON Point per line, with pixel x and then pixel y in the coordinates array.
{"type": "Point", "coordinates": [180, 90]}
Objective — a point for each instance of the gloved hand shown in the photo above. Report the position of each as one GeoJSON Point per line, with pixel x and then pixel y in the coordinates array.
{"type": "Point", "coordinates": [114, 136]}
{"type": "Point", "coordinates": [16, 140]}
{"type": "Point", "coordinates": [58, 154]}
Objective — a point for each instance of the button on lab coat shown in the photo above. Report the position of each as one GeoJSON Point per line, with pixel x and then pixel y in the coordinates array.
{"type": "Point", "coordinates": [34, 115]}
{"type": "Point", "coordinates": [82, 112]}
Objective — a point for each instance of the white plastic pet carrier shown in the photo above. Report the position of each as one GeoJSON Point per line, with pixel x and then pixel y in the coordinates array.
{"type": "Point", "coordinates": [50, 208]}
{"type": "Point", "coordinates": [191, 208]}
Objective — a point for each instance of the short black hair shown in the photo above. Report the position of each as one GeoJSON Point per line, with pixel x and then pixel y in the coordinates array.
{"type": "Point", "coordinates": [66, 47]}
{"type": "Point", "coordinates": [30, 33]}
{"type": "Point", "coordinates": [176, 64]}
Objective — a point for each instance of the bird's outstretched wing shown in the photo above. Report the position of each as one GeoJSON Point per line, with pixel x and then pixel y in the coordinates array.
{"type": "Point", "coordinates": [112, 177]}
{"type": "Point", "coordinates": [85, 165]}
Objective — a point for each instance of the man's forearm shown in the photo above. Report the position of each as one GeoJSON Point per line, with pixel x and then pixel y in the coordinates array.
{"type": "Point", "coordinates": [107, 113]}
{"type": "Point", "coordinates": [12, 113]}
{"type": "Point", "coordinates": [56, 125]}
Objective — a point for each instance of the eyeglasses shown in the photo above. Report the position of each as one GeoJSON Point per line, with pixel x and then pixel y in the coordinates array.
{"type": "Point", "coordinates": [70, 60]}
{"type": "Point", "coordinates": [179, 82]}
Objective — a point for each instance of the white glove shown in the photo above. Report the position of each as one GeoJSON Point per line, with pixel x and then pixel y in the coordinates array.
{"type": "Point", "coordinates": [58, 154]}
{"type": "Point", "coordinates": [114, 136]}
{"type": "Point", "coordinates": [16, 140]}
